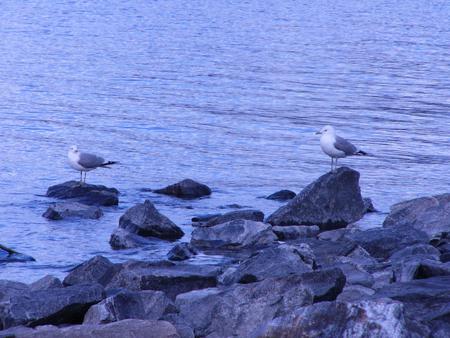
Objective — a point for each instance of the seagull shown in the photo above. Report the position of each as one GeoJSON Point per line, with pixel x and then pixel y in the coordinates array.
{"type": "Point", "coordinates": [85, 162]}
{"type": "Point", "coordinates": [336, 146]}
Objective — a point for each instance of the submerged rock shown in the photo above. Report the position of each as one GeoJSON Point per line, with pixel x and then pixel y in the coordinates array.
{"type": "Point", "coordinates": [182, 251]}
{"type": "Point", "coordinates": [122, 239]}
{"type": "Point", "coordinates": [144, 220]}
{"type": "Point", "coordinates": [8, 255]}
{"type": "Point", "coordinates": [282, 195]}
{"type": "Point", "coordinates": [250, 214]}
{"type": "Point", "coordinates": [89, 194]}
{"type": "Point", "coordinates": [58, 211]}
{"type": "Point", "coordinates": [185, 189]}
{"type": "Point", "coordinates": [428, 214]}
{"type": "Point", "coordinates": [332, 201]}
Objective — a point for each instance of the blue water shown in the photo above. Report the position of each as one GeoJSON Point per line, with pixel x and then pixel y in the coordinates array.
{"type": "Point", "coordinates": [225, 92]}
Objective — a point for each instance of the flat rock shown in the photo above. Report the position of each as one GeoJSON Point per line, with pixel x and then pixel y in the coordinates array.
{"type": "Point", "coordinates": [291, 232]}
{"type": "Point", "coordinates": [249, 214]}
{"type": "Point", "coordinates": [185, 189]}
{"type": "Point", "coordinates": [233, 235]}
{"type": "Point", "coordinates": [57, 211]}
{"type": "Point", "coordinates": [8, 255]}
{"type": "Point", "coordinates": [332, 201]}
{"type": "Point", "coordinates": [144, 220]}
{"type": "Point", "coordinates": [428, 214]}
{"type": "Point", "coordinates": [181, 252]}
{"type": "Point", "coordinates": [96, 270]}
{"type": "Point", "coordinates": [123, 239]}
{"type": "Point", "coordinates": [282, 195]}
{"type": "Point", "coordinates": [46, 283]}
{"type": "Point", "coordinates": [89, 194]}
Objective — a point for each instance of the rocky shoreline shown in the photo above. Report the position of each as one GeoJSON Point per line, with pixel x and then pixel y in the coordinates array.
{"type": "Point", "coordinates": [303, 271]}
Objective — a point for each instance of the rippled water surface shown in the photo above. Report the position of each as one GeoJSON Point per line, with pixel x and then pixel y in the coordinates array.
{"type": "Point", "coordinates": [225, 92]}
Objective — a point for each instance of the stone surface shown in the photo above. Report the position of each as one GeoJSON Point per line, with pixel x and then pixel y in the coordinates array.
{"type": "Point", "coordinates": [354, 293]}
{"type": "Point", "coordinates": [291, 232]}
{"type": "Point", "coordinates": [96, 270]}
{"type": "Point", "coordinates": [249, 214]}
{"type": "Point", "coordinates": [282, 195]}
{"type": "Point", "coordinates": [10, 288]}
{"type": "Point", "coordinates": [368, 205]}
{"type": "Point", "coordinates": [85, 193]}
{"type": "Point", "coordinates": [123, 239]}
{"type": "Point", "coordinates": [181, 252]}
{"type": "Point", "coordinates": [428, 214]}
{"type": "Point", "coordinates": [233, 235]}
{"type": "Point", "coordinates": [8, 255]}
{"type": "Point", "coordinates": [46, 283]}
{"type": "Point", "coordinates": [58, 211]}
{"type": "Point", "coordinates": [332, 201]}
{"type": "Point", "coordinates": [144, 220]}
{"type": "Point", "coordinates": [185, 189]}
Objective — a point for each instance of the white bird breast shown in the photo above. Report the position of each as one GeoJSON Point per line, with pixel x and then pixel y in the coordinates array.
{"type": "Point", "coordinates": [327, 145]}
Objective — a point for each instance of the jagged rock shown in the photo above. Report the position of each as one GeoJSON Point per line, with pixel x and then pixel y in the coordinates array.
{"type": "Point", "coordinates": [332, 201]}
{"type": "Point", "coordinates": [355, 274]}
{"type": "Point", "coordinates": [325, 284]}
{"type": "Point", "coordinates": [291, 232]}
{"type": "Point", "coordinates": [422, 250]}
{"type": "Point", "coordinates": [123, 239]}
{"type": "Point", "coordinates": [46, 283]}
{"type": "Point", "coordinates": [250, 214]}
{"type": "Point", "coordinates": [233, 235]}
{"type": "Point", "coordinates": [181, 252]}
{"type": "Point", "coordinates": [185, 189]}
{"type": "Point", "coordinates": [51, 306]}
{"type": "Point", "coordinates": [124, 328]}
{"type": "Point", "coordinates": [368, 205]}
{"type": "Point", "coordinates": [8, 255]}
{"type": "Point", "coordinates": [238, 310]}
{"type": "Point", "coordinates": [172, 278]}
{"type": "Point", "coordinates": [428, 214]}
{"type": "Point", "coordinates": [85, 193]}
{"type": "Point", "coordinates": [282, 195]}
{"type": "Point", "coordinates": [414, 267]}
{"type": "Point", "coordinates": [184, 330]}
{"type": "Point", "coordinates": [57, 211]}
{"type": "Point", "coordinates": [144, 220]}
{"type": "Point", "coordinates": [96, 270]}
{"type": "Point", "coordinates": [355, 293]}
{"type": "Point", "coordinates": [278, 261]}
{"type": "Point", "coordinates": [128, 305]}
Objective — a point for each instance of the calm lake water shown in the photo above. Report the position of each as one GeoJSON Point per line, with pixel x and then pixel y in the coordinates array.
{"type": "Point", "coordinates": [228, 93]}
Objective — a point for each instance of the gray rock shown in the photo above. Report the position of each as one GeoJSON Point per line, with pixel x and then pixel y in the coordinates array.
{"type": "Point", "coordinates": [336, 234]}
{"type": "Point", "coordinates": [415, 250]}
{"type": "Point", "coordinates": [204, 218]}
{"type": "Point", "coordinates": [128, 305]}
{"type": "Point", "coordinates": [123, 239]}
{"type": "Point", "coordinates": [144, 220]}
{"type": "Point", "coordinates": [355, 274]}
{"type": "Point", "coordinates": [332, 201]}
{"type": "Point", "coordinates": [368, 205]}
{"type": "Point", "coordinates": [414, 267]}
{"type": "Point", "coordinates": [428, 214]}
{"type": "Point", "coordinates": [10, 288]}
{"type": "Point", "coordinates": [233, 235]}
{"type": "Point", "coordinates": [282, 195]}
{"type": "Point", "coordinates": [8, 255]}
{"type": "Point", "coordinates": [185, 189]}
{"type": "Point", "coordinates": [135, 328]}
{"type": "Point", "coordinates": [58, 211]}
{"type": "Point", "coordinates": [52, 306]}
{"type": "Point", "coordinates": [355, 293]}
{"type": "Point", "coordinates": [291, 232]}
{"type": "Point", "coordinates": [96, 270]}
{"type": "Point", "coordinates": [325, 284]}
{"type": "Point", "coordinates": [238, 310]}
{"type": "Point", "coordinates": [46, 283]}
{"type": "Point", "coordinates": [181, 252]}
{"type": "Point", "coordinates": [85, 193]}
{"type": "Point", "coordinates": [249, 214]}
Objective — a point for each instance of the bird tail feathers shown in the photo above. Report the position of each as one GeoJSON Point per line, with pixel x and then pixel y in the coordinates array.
{"type": "Point", "coordinates": [106, 164]}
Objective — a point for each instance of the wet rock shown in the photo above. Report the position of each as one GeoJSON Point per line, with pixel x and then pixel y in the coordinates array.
{"type": "Point", "coordinates": [51, 306]}
{"type": "Point", "coordinates": [278, 261]}
{"type": "Point", "coordinates": [355, 293]}
{"type": "Point", "coordinates": [8, 255]}
{"type": "Point", "coordinates": [332, 201]}
{"type": "Point", "coordinates": [185, 189]}
{"type": "Point", "coordinates": [123, 239]}
{"type": "Point", "coordinates": [144, 220]}
{"type": "Point", "coordinates": [171, 278]}
{"type": "Point", "coordinates": [238, 310]}
{"type": "Point", "coordinates": [58, 211]}
{"type": "Point", "coordinates": [46, 283]}
{"type": "Point", "coordinates": [181, 252]}
{"type": "Point", "coordinates": [85, 193]}
{"type": "Point", "coordinates": [204, 218]}
{"type": "Point", "coordinates": [282, 195]}
{"type": "Point", "coordinates": [252, 215]}
{"type": "Point", "coordinates": [96, 270]}
{"type": "Point", "coordinates": [428, 214]}
{"type": "Point", "coordinates": [121, 329]}
{"type": "Point", "coordinates": [233, 235]}
{"type": "Point", "coordinates": [368, 205]}
{"type": "Point", "coordinates": [291, 232]}
{"type": "Point", "coordinates": [128, 305]}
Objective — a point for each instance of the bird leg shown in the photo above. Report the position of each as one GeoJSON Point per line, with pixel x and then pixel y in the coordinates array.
{"type": "Point", "coordinates": [81, 177]}
{"type": "Point", "coordinates": [332, 164]}
{"type": "Point", "coordinates": [85, 176]}
{"type": "Point", "coordinates": [336, 164]}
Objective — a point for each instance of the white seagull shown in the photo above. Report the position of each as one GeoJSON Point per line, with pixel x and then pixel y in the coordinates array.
{"type": "Point", "coordinates": [336, 146]}
{"type": "Point", "coordinates": [85, 162]}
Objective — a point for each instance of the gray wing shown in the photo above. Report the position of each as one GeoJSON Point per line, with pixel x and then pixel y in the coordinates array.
{"type": "Point", "coordinates": [90, 160]}
{"type": "Point", "coordinates": [343, 145]}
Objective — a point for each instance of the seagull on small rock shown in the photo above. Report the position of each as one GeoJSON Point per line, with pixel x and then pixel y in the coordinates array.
{"type": "Point", "coordinates": [336, 146]}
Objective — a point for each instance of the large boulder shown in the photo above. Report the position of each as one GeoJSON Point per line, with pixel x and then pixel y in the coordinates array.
{"type": "Point", "coordinates": [249, 214]}
{"type": "Point", "coordinates": [238, 310]}
{"type": "Point", "coordinates": [46, 283]}
{"type": "Point", "coordinates": [332, 201]}
{"type": "Point", "coordinates": [428, 214]}
{"type": "Point", "coordinates": [185, 189]}
{"type": "Point", "coordinates": [181, 252]}
{"type": "Point", "coordinates": [235, 235]}
{"type": "Point", "coordinates": [123, 239]}
{"type": "Point", "coordinates": [8, 255]}
{"type": "Point", "coordinates": [128, 304]}
{"type": "Point", "coordinates": [10, 288]}
{"type": "Point", "coordinates": [57, 211]}
{"type": "Point", "coordinates": [144, 220]}
{"type": "Point", "coordinates": [51, 306]}
{"type": "Point", "coordinates": [96, 270]}
{"type": "Point", "coordinates": [282, 195]}
{"type": "Point", "coordinates": [89, 194]}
